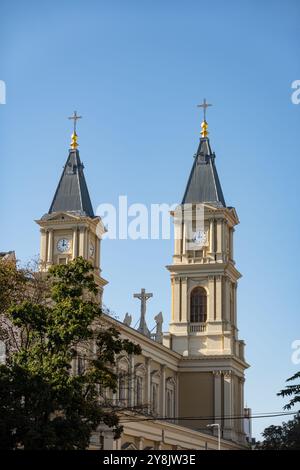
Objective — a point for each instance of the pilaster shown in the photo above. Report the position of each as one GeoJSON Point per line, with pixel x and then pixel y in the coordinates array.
{"type": "Point", "coordinates": [220, 240]}
{"type": "Point", "coordinates": [218, 298]}
{"type": "Point", "coordinates": [97, 253]}
{"type": "Point", "coordinates": [131, 382]}
{"type": "Point", "coordinates": [234, 295]}
{"type": "Point", "coordinates": [241, 408]}
{"type": "Point", "coordinates": [50, 246]}
{"type": "Point", "coordinates": [148, 384]}
{"type": "Point", "coordinates": [217, 396]}
{"type": "Point", "coordinates": [227, 288]}
{"type": "Point", "coordinates": [172, 299]}
{"type": "Point", "coordinates": [228, 402]}
{"type": "Point", "coordinates": [163, 391]}
{"type": "Point", "coordinates": [75, 242]}
{"type": "Point", "coordinates": [184, 300]}
{"type": "Point", "coordinates": [178, 233]}
{"type": "Point", "coordinates": [86, 247]}
{"type": "Point", "coordinates": [231, 245]}
{"type": "Point", "coordinates": [211, 299]}
{"type": "Point", "coordinates": [43, 246]}
{"type": "Point", "coordinates": [177, 305]}
{"type": "Point", "coordinates": [82, 241]}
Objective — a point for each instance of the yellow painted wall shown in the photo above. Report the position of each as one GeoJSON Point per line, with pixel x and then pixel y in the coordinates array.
{"type": "Point", "coordinates": [196, 392]}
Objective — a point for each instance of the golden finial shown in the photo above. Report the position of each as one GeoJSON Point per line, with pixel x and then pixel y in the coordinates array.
{"type": "Point", "coordinates": [74, 143]}
{"type": "Point", "coordinates": [204, 125]}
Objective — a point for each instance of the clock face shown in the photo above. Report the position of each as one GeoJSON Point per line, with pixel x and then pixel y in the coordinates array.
{"type": "Point", "coordinates": [91, 249]}
{"type": "Point", "coordinates": [199, 237]}
{"type": "Point", "coordinates": [63, 245]}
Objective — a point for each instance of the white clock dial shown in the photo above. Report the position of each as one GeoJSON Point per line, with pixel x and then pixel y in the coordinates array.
{"type": "Point", "coordinates": [199, 237]}
{"type": "Point", "coordinates": [91, 250]}
{"type": "Point", "coordinates": [63, 245]}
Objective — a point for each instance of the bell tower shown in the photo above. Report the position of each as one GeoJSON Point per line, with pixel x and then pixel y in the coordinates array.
{"type": "Point", "coordinates": [203, 327]}
{"type": "Point", "coordinates": [70, 228]}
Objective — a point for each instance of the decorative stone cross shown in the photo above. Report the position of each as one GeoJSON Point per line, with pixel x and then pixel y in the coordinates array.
{"type": "Point", "coordinates": [143, 296]}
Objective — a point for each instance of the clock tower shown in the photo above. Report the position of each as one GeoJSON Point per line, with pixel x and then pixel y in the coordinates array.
{"type": "Point", "coordinates": [70, 228]}
{"type": "Point", "coordinates": [204, 277]}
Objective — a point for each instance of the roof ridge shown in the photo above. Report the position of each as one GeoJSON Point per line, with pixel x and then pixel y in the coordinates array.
{"type": "Point", "coordinates": [80, 192]}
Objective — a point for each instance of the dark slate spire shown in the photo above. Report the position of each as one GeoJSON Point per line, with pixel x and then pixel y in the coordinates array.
{"type": "Point", "coordinates": [72, 194]}
{"type": "Point", "coordinates": [203, 184]}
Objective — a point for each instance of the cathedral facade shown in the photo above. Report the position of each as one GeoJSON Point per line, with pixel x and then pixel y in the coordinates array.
{"type": "Point", "coordinates": [185, 391]}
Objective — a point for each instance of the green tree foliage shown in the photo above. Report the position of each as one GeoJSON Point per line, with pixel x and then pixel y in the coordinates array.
{"type": "Point", "coordinates": [43, 404]}
{"type": "Point", "coordinates": [291, 391]}
{"type": "Point", "coordinates": [285, 437]}
{"type": "Point", "coordinates": [12, 282]}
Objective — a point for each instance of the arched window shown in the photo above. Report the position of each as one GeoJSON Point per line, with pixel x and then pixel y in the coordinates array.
{"type": "Point", "coordinates": [123, 380]}
{"type": "Point", "coordinates": [80, 364]}
{"type": "Point", "coordinates": [140, 373]}
{"type": "Point", "coordinates": [139, 390]}
{"type": "Point", "coordinates": [123, 388]}
{"type": "Point", "coordinates": [170, 403]}
{"type": "Point", "coordinates": [170, 397]}
{"type": "Point", "coordinates": [198, 310]}
{"type": "Point", "coordinates": [231, 305]}
{"type": "Point", "coordinates": [154, 398]}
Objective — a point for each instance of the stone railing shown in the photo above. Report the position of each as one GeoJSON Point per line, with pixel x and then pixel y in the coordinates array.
{"type": "Point", "coordinates": [197, 327]}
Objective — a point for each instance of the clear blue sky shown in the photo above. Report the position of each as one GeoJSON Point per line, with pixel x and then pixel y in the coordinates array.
{"type": "Point", "coordinates": [136, 70]}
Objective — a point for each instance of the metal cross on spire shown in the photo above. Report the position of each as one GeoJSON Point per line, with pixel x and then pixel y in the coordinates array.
{"type": "Point", "coordinates": [143, 296]}
{"type": "Point", "coordinates": [204, 105]}
{"type": "Point", "coordinates": [75, 118]}
{"type": "Point", "coordinates": [204, 125]}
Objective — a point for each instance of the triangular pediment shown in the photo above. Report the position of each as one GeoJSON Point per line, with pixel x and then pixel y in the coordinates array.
{"type": "Point", "coordinates": [62, 216]}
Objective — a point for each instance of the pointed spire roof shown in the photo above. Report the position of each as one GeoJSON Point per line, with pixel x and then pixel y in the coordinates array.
{"type": "Point", "coordinates": [72, 194]}
{"type": "Point", "coordinates": [204, 184]}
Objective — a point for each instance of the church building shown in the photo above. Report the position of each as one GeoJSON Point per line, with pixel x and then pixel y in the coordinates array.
{"type": "Point", "coordinates": [186, 389]}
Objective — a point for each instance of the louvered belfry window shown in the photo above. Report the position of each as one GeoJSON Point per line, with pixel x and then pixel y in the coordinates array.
{"type": "Point", "coordinates": [198, 310]}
